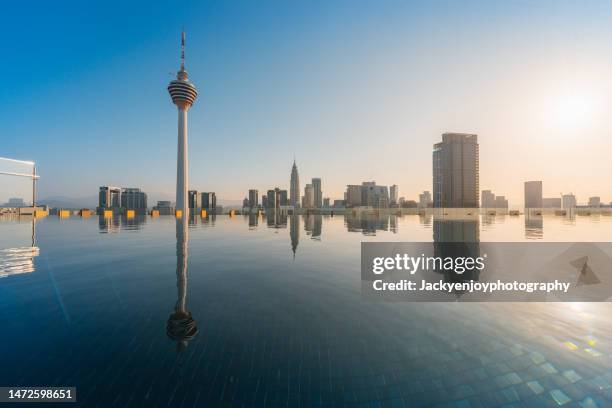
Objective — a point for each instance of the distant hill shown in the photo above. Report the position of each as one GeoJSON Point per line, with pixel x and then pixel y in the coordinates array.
{"type": "Point", "coordinates": [92, 201]}
{"type": "Point", "coordinates": [69, 202]}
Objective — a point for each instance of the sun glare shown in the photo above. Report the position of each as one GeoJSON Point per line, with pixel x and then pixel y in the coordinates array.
{"type": "Point", "coordinates": [573, 111]}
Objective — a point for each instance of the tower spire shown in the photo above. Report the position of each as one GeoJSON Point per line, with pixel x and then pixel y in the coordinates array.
{"type": "Point", "coordinates": [183, 50]}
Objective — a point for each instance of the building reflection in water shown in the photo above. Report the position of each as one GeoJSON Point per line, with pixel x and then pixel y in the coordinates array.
{"type": "Point", "coordinates": [253, 220]}
{"type": "Point", "coordinates": [15, 261]}
{"type": "Point", "coordinates": [425, 219]}
{"type": "Point", "coordinates": [488, 219]}
{"type": "Point", "coordinates": [294, 232]}
{"type": "Point", "coordinates": [194, 220]}
{"type": "Point", "coordinates": [534, 226]}
{"type": "Point", "coordinates": [313, 225]}
{"type": "Point", "coordinates": [181, 326]}
{"type": "Point", "coordinates": [112, 225]}
{"type": "Point", "coordinates": [276, 219]}
{"type": "Point", "coordinates": [209, 220]}
{"type": "Point", "coordinates": [457, 239]}
{"type": "Point", "coordinates": [367, 224]}
{"type": "Point", "coordinates": [393, 223]}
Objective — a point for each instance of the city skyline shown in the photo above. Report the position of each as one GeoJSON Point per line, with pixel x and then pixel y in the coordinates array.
{"type": "Point", "coordinates": [552, 115]}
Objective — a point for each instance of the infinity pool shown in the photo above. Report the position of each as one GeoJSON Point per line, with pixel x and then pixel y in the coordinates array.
{"type": "Point", "coordinates": [250, 311]}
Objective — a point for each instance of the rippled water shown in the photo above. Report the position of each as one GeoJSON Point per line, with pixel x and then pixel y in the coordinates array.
{"type": "Point", "coordinates": [250, 311]}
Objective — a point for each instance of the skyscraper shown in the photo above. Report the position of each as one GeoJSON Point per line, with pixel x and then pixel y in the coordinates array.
{"type": "Point", "coordinates": [294, 188]}
{"type": "Point", "coordinates": [533, 194]}
{"type": "Point", "coordinates": [253, 198]}
{"type": "Point", "coordinates": [393, 193]}
{"type": "Point", "coordinates": [309, 201]}
{"type": "Point", "coordinates": [373, 195]}
{"type": "Point", "coordinates": [594, 202]}
{"type": "Point", "coordinates": [569, 201]}
{"type": "Point", "coordinates": [109, 197]}
{"type": "Point", "coordinates": [282, 197]}
{"type": "Point", "coordinates": [183, 94]}
{"type": "Point", "coordinates": [424, 199]}
{"type": "Point", "coordinates": [272, 202]}
{"type": "Point", "coordinates": [134, 199]}
{"type": "Point", "coordinates": [501, 202]}
{"type": "Point", "coordinates": [353, 195]}
{"type": "Point", "coordinates": [194, 201]}
{"type": "Point", "coordinates": [487, 199]}
{"type": "Point", "coordinates": [209, 201]}
{"type": "Point", "coordinates": [456, 171]}
{"type": "Point", "coordinates": [318, 193]}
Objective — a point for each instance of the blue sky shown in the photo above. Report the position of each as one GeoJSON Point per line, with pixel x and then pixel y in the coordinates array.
{"type": "Point", "coordinates": [357, 90]}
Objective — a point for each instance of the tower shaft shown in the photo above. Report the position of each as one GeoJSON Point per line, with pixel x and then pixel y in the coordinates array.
{"type": "Point", "coordinates": [182, 164]}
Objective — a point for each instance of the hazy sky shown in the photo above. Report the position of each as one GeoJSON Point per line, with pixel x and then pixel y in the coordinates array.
{"type": "Point", "coordinates": [356, 90]}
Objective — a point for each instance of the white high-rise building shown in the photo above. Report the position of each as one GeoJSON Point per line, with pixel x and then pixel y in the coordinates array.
{"type": "Point", "coordinates": [309, 196]}
{"type": "Point", "coordinates": [425, 199]}
{"type": "Point", "coordinates": [394, 194]}
{"type": "Point", "coordinates": [183, 94]}
{"type": "Point", "coordinates": [568, 201]}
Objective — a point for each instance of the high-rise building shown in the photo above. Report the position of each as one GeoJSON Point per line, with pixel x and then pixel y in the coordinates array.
{"type": "Point", "coordinates": [326, 202]}
{"type": "Point", "coordinates": [339, 203]}
{"type": "Point", "coordinates": [282, 198]}
{"type": "Point", "coordinates": [277, 198]}
{"type": "Point", "coordinates": [487, 199]}
{"type": "Point", "coordinates": [109, 197]}
{"type": "Point", "coordinates": [209, 201]}
{"type": "Point", "coordinates": [353, 195]}
{"type": "Point", "coordinates": [164, 208]}
{"type": "Point", "coordinates": [367, 194]}
{"type": "Point", "coordinates": [393, 195]}
{"type": "Point", "coordinates": [272, 202]}
{"type": "Point", "coordinates": [264, 201]}
{"type": "Point", "coordinates": [309, 197]}
{"type": "Point", "coordinates": [501, 202]}
{"type": "Point", "coordinates": [425, 199]}
{"type": "Point", "coordinates": [253, 198]}
{"type": "Point", "coordinates": [294, 188]}
{"type": "Point", "coordinates": [533, 194]}
{"type": "Point", "coordinates": [373, 195]}
{"type": "Point", "coordinates": [183, 94]}
{"type": "Point", "coordinates": [456, 171]}
{"type": "Point", "coordinates": [134, 199]}
{"type": "Point", "coordinates": [594, 202]}
{"type": "Point", "coordinates": [194, 200]}
{"type": "Point", "coordinates": [318, 193]}
{"type": "Point", "coordinates": [568, 201]}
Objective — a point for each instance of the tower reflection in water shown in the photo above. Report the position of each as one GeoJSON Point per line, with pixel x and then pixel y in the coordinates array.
{"type": "Point", "coordinates": [15, 261]}
{"type": "Point", "coordinates": [457, 239]}
{"type": "Point", "coordinates": [294, 232]}
{"type": "Point", "coordinates": [181, 326]}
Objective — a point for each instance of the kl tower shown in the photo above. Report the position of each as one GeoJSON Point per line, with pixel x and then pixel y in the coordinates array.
{"type": "Point", "coordinates": [183, 94]}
